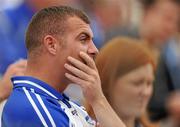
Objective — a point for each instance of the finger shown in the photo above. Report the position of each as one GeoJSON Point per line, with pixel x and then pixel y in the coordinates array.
{"type": "Point", "coordinates": [80, 65]}
{"type": "Point", "coordinates": [76, 72]}
{"type": "Point", "coordinates": [75, 79]}
{"type": "Point", "coordinates": [90, 62]}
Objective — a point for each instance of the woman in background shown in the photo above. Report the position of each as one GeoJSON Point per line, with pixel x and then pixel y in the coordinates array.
{"type": "Point", "coordinates": [126, 70]}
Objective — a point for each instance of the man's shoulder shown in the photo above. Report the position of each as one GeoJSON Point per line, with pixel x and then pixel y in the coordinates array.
{"type": "Point", "coordinates": [25, 106]}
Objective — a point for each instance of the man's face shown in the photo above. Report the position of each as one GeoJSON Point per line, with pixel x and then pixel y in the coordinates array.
{"type": "Point", "coordinates": [78, 37]}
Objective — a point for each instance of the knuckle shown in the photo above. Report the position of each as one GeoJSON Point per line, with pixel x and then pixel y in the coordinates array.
{"type": "Point", "coordinates": [94, 73]}
{"type": "Point", "coordinates": [91, 80]}
{"type": "Point", "coordinates": [89, 86]}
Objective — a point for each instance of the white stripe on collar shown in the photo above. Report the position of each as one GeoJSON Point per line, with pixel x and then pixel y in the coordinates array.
{"type": "Point", "coordinates": [35, 85]}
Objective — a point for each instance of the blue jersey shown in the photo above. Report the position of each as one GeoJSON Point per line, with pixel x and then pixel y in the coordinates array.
{"type": "Point", "coordinates": [33, 103]}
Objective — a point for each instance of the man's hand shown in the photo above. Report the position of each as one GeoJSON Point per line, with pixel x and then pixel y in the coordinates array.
{"type": "Point", "coordinates": [85, 75]}
{"type": "Point", "coordinates": [15, 69]}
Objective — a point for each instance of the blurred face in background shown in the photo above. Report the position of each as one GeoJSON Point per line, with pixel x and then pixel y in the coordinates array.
{"type": "Point", "coordinates": [131, 93]}
{"type": "Point", "coordinates": [109, 13]}
{"type": "Point", "coordinates": [39, 4]}
{"type": "Point", "coordinates": [161, 20]}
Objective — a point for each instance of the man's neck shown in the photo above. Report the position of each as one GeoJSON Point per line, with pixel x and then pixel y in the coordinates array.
{"type": "Point", "coordinates": [50, 77]}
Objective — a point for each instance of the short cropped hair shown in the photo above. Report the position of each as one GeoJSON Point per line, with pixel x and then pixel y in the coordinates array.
{"type": "Point", "coordinates": [52, 21]}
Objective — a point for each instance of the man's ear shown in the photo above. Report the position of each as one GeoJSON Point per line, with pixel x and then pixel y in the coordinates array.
{"type": "Point", "coordinates": [51, 44]}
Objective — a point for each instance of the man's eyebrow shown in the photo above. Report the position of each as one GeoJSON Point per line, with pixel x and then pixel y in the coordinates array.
{"type": "Point", "coordinates": [86, 34]}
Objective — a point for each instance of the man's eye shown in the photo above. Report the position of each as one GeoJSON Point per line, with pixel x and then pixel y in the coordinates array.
{"type": "Point", "coordinates": [83, 39]}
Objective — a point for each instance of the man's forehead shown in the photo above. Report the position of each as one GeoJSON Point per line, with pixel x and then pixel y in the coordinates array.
{"type": "Point", "coordinates": [75, 24]}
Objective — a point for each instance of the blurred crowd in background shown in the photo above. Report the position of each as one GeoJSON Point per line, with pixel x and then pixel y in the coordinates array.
{"type": "Point", "coordinates": [156, 22]}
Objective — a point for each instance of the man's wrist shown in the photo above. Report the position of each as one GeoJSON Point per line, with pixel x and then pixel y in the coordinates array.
{"type": "Point", "coordinates": [99, 102]}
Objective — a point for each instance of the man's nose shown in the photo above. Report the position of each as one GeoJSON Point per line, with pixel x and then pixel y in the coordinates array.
{"type": "Point", "coordinates": [93, 51]}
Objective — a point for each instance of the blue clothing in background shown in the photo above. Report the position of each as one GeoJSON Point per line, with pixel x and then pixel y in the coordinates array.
{"type": "Point", "coordinates": [172, 58]}
{"type": "Point", "coordinates": [13, 24]}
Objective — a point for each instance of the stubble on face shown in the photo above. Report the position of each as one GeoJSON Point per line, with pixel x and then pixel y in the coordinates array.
{"type": "Point", "coordinates": [77, 38]}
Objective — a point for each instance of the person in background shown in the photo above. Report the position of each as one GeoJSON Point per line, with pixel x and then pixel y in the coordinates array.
{"type": "Point", "coordinates": [159, 23]}
{"type": "Point", "coordinates": [156, 26]}
{"type": "Point", "coordinates": [99, 12]}
{"type": "Point", "coordinates": [173, 106]}
{"type": "Point", "coordinates": [16, 69]}
{"type": "Point", "coordinates": [126, 69]}
{"type": "Point", "coordinates": [166, 80]}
